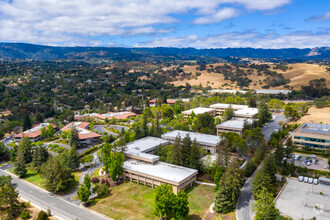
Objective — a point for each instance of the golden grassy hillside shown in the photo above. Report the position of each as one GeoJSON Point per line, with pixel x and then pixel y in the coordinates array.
{"type": "Point", "coordinates": [299, 74]}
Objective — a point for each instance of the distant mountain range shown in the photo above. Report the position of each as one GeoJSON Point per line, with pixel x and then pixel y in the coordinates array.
{"type": "Point", "coordinates": [39, 52]}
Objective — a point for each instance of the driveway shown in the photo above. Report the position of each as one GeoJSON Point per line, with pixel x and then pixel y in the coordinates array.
{"type": "Point", "coordinates": [102, 128]}
{"type": "Point", "coordinates": [273, 125]}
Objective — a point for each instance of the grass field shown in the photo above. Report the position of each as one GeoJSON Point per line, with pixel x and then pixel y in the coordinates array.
{"type": "Point", "coordinates": [317, 115]}
{"type": "Point", "coordinates": [134, 201]}
{"type": "Point", "coordinates": [299, 74]}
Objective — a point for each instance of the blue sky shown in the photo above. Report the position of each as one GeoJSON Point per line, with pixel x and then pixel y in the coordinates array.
{"type": "Point", "coordinates": [170, 23]}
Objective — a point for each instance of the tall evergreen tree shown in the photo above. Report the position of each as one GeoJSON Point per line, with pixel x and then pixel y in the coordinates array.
{"type": "Point", "coordinates": [26, 122]}
{"type": "Point", "coordinates": [163, 201]}
{"type": "Point", "coordinates": [74, 138]}
{"type": "Point", "coordinates": [26, 147]}
{"type": "Point", "coordinates": [20, 164]}
{"type": "Point", "coordinates": [185, 151]}
{"type": "Point", "coordinates": [176, 151]}
{"type": "Point", "coordinates": [40, 156]}
{"type": "Point", "coordinates": [144, 125]}
{"type": "Point", "coordinates": [264, 207]}
{"type": "Point", "coordinates": [264, 114]}
{"type": "Point", "coordinates": [195, 156]}
{"type": "Point", "coordinates": [180, 206]}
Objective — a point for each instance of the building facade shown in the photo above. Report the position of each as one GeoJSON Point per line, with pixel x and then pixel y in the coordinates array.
{"type": "Point", "coordinates": [200, 110]}
{"type": "Point", "coordinates": [312, 135]}
{"type": "Point", "coordinates": [34, 134]}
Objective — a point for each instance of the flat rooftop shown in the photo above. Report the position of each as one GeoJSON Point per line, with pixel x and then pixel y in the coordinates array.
{"type": "Point", "coordinates": [315, 129]}
{"type": "Point", "coordinates": [160, 170]}
{"type": "Point", "coordinates": [203, 139]}
{"type": "Point", "coordinates": [224, 105]}
{"type": "Point", "coordinates": [198, 111]}
{"type": "Point", "coordinates": [141, 146]}
{"type": "Point", "coordinates": [237, 123]}
{"type": "Point", "coordinates": [246, 111]}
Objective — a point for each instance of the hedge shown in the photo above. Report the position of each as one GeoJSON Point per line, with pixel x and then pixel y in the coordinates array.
{"type": "Point", "coordinates": [89, 151]}
{"type": "Point", "coordinates": [318, 152]}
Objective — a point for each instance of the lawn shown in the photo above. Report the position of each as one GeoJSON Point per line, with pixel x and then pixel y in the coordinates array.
{"type": "Point", "coordinates": [134, 201]}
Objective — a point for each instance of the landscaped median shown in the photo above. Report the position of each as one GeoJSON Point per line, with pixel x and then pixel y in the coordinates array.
{"type": "Point", "coordinates": [135, 201]}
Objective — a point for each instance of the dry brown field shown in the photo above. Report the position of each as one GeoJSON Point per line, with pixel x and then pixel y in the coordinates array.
{"type": "Point", "coordinates": [316, 115]}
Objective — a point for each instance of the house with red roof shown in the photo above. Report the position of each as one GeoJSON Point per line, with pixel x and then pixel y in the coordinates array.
{"type": "Point", "coordinates": [34, 133]}
{"type": "Point", "coordinates": [86, 137]}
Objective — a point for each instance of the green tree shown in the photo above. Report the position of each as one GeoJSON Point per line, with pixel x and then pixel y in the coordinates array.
{"type": "Point", "coordinates": [163, 201]}
{"type": "Point", "coordinates": [168, 112]}
{"type": "Point", "coordinates": [26, 147]}
{"type": "Point", "coordinates": [5, 180]}
{"type": "Point", "coordinates": [185, 151]}
{"type": "Point", "coordinates": [26, 122]}
{"type": "Point", "coordinates": [43, 132]}
{"type": "Point", "coordinates": [50, 131]}
{"type": "Point", "coordinates": [74, 138]}
{"type": "Point", "coordinates": [113, 163]}
{"type": "Point", "coordinates": [264, 207]}
{"type": "Point", "coordinates": [195, 156]}
{"type": "Point", "coordinates": [40, 156]}
{"type": "Point", "coordinates": [250, 167]}
{"type": "Point", "coordinates": [180, 206]}
{"type": "Point", "coordinates": [279, 154]}
{"type": "Point", "coordinates": [176, 152]}
{"type": "Point", "coordinates": [229, 189]}
{"type": "Point", "coordinates": [251, 101]}
{"type": "Point", "coordinates": [87, 181]}
{"type": "Point", "coordinates": [20, 164]}
{"type": "Point", "coordinates": [204, 123]}
{"type": "Point", "coordinates": [8, 200]}
{"type": "Point", "coordinates": [70, 158]}
{"type": "Point", "coordinates": [4, 152]}
{"type": "Point", "coordinates": [57, 176]}
{"type": "Point", "coordinates": [83, 193]}
{"type": "Point", "coordinates": [263, 115]}
{"type": "Point", "coordinates": [228, 114]}
{"type": "Point", "coordinates": [291, 113]}
{"type": "Point", "coordinates": [262, 180]}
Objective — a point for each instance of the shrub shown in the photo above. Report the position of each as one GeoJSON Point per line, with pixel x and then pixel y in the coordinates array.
{"type": "Point", "coordinates": [89, 151]}
{"type": "Point", "coordinates": [60, 149]}
{"type": "Point", "coordinates": [25, 214]}
{"type": "Point", "coordinates": [95, 180]}
{"type": "Point", "coordinates": [42, 215]}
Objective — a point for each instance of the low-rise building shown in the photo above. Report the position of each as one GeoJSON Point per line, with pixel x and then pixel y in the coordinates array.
{"type": "Point", "coordinates": [233, 125]}
{"type": "Point", "coordinates": [109, 115]}
{"type": "Point", "coordinates": [208, 142]}
{"type": "Point", "coordinates": [200, 110]}
{"type": "Point", "coordinates": [143, 167]}
{"type": "Point", "coordinates": [86, 137]}
{"type": "Point", "coordinates": [312, 135]}
{"type": "Point", "coordinates": [34, 134]}
{"type": "Point", "coordinates": [221, 107]}
{"type": "Point", "coordinates": [247, 113]}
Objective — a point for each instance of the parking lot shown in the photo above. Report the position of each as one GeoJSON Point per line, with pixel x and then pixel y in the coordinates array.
{"type": "Point", "coordinates": [273, 125]}
{"type": "Point", "coordinates": [303, 200]}
{"type": "Point", "coordinates": [319, 165]}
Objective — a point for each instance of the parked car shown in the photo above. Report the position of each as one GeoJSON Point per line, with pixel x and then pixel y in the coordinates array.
{"type": "Point", "coordinates": [314, 161]}
{"type": "Point", "coordinates": [301, 178]}
{"type": "Point", "coordinates": [309, 163]}
{"type": "Point", "coordinates": [310, 180]}
{"type": "Point", "coordinates": [315, 181]}
{"type": "Point", "coordinates": [312, 156]}
{"type": "Point", "coordinates": [306, 179]}
{"type": "Point", "coordinates": [296, 157]}
{"type": "Point", "coordinates": [305, 161]}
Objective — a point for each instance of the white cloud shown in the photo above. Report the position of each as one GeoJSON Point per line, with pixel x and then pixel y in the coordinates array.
{"type": "Point", "coordinates": [73, 21]}
{"type": "Point", "coordinates": [218, 16]}
{"type": "Point", "coordinates": [245, 39]}
{"type": "Point", "coordinates": [320, 18]}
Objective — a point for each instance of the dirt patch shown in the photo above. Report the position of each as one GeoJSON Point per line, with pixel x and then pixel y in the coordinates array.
{"type": "Point", "coordinates": [5, 113]}
{"type": "Point", "coordinates": [317, 115]}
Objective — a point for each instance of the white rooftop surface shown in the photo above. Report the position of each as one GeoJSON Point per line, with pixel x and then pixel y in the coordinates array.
{"type": "Point", "coordinates": [116, 114]}
{"type": "Point", "coordinates": [235, 123]}
{"type": "Point", "coordinates": [140, 146]}
{"type": "Point", "coordinates": [223, 105]}
{"type": "Point", "coordinates": [203, 139]}
{"type": "Point", "coordinates": [160, 170]}
{"type": "Point", "coordinates": [272, 91]}
{"type": "Point", "coordinates": [198, 111]}
{"type": "Point", "coordinates": [246, 111]}
{"type": "Point", "coordinates": [37, 128]}
{"type": "Point", "coordinates": [79, 129]}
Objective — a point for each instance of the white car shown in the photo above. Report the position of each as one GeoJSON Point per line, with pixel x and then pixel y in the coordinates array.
{"type": "Point", "coordinates": [296, 157]}
{"type": "Point", "coordinates": [315, 181]}
{"type": "Point", "coordinates": [308, 163]}
{"type": "Point", "coordinates": [306, 179]}
{"type": "Point", "coordinates": [301, 178]}
{"type": "Point", "coordinates": [312, 156]}
{"type": "Point", "coordinates": [310, 180]}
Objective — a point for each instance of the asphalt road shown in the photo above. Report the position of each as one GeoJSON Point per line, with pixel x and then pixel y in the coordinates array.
{"type": "Point", "coordinates": [245, 201]}
{"type": "Point", "coordinates": [101, 129]}
{"type": "Point", "coordinates": [273, 125]}
{"type": "Point", "coordinates": [59, 208]}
